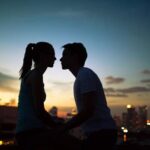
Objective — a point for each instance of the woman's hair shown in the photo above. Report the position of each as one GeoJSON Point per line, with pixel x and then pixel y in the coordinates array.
{"type": "Point", "coordinates": [32, 53]}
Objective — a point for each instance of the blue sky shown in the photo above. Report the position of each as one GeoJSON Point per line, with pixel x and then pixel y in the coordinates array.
{"type": "Point", "coordinates": [116, 34]}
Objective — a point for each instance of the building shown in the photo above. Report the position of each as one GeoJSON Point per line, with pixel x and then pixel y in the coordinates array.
{"type": "Point", "coordinates": [8, 114]}
{"type": "Point", "coordinates": [117, 120]}
{"type": "Point", "coordinates": [143, 116]}
{"type": "Point", "coordinates": [8, 117]}
{"type": "Point", "coordinates": [135, 118]}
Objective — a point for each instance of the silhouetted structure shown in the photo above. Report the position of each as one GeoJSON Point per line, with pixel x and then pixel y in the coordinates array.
{"type": "Point", "coordinates": [135, 118]}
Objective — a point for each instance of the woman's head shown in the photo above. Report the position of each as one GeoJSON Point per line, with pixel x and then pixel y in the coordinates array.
{"type": "Point", "coordinates": [41, 53]}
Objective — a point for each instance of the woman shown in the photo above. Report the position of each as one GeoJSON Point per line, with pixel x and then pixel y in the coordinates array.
{"type": "Point", "coordinates": [34, 122]}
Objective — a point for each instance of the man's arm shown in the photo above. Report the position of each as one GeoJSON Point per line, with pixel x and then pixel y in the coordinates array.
{"type": "Point", "coordinates": [89, 100]}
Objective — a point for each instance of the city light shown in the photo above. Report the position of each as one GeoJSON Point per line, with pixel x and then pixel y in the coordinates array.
{"type": "Point", "coordinates": [74, 111]}
{"type": "Point", "coordinates": [148, 122]}
{"type": "Point", "coordinates": [1, 142]}
{"type": "Point", "coordinates": [122, 128]}
{"type": "Point", "coordinates": [129, 106]}
{"type": "Point", "coordinates": [125, 138]}
{"type": "Point", "coordinates": [125, 130]}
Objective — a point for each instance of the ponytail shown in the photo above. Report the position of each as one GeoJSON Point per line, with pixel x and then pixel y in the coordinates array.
{"type": "Point", "coordinates": [27, 61]}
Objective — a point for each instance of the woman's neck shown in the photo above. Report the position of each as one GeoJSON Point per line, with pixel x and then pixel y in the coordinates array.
{"type": "Point", "coordinates": [41, 68]}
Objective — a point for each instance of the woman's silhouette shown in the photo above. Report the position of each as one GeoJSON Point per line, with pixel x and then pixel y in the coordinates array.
{"type": "Point", "coordinates": [34, 122]}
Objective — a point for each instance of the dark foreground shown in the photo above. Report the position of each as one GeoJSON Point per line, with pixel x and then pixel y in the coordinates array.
{"type": "Point", "coordinates": [118, 147]}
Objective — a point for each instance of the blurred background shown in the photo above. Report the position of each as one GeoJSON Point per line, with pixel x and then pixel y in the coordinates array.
{"type": "Point", "coordinates": [116, 35]}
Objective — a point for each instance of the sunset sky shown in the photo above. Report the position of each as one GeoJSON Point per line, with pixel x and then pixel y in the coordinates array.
{"type": "Point", "coordinates": [116, 34]}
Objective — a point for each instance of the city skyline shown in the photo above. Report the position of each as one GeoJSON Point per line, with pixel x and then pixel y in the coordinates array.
{"type": "Point", "coordinates": [116, 34]}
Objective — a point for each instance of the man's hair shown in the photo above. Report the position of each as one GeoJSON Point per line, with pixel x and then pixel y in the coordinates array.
{"type": "Point", "coordinates": [77, 49]}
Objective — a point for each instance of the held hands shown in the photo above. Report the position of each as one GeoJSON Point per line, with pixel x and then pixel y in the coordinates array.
{"type": "Point", "coordinates": [59, 130]}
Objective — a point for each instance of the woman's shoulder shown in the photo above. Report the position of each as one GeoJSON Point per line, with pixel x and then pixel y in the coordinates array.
{"type": "Point", "coordinates": [35, 73]}
{"type": "Point", "coordinates": [33, 76]}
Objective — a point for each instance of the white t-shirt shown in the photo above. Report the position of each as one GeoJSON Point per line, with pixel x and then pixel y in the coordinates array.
{"type": "Point", "coordinates": [88, 81]}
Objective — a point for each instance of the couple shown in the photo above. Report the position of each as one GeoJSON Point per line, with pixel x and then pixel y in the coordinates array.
{"type": "Point", "coordinates": [36, 129]}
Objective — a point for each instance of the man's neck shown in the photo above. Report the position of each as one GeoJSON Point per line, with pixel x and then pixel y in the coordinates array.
{"type": "Point", "coordinates": [75, 70]}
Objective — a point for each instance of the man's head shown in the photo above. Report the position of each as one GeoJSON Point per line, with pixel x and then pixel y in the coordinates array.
{"type": "Point", "coordinates": [73, 54]}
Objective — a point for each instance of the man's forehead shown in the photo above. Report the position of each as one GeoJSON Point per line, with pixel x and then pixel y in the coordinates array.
{"type": "Point", "coordinates": [66, 52]}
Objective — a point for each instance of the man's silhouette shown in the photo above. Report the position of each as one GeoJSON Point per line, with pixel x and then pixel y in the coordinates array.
{"type": "Point", "coordinates": [93, 115]}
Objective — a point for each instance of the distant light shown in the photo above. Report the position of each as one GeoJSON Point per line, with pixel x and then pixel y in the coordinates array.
{"type": "Point", "coordinates": [122, 128]}
{"type": "Point", "coordinates": [1, 142]}
{"type": "Point", "coordinates": [125, 130]}
{"type": "Point", "coordinates": [148, 122]}
{"type": "Point", "coordinates": [129, 106]}
{"type": "Point", "coordinates": [74, 111]}
{"type": "Point", "coordinates": [125, 138]}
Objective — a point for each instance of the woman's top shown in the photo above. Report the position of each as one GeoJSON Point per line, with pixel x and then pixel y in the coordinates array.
{"type": "Point", "coordinates": [27, 117]}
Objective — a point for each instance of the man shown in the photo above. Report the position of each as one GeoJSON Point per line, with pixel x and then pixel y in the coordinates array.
{"type": "Point", "coordinates": [93, 115]}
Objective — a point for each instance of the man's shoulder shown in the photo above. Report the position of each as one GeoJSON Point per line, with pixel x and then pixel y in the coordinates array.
{"type": "Point", "coordinates": [86, 70]}
{"type": "Point", "coordinates": [86, 73]}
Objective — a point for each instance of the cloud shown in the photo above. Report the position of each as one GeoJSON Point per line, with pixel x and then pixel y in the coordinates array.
{"type": "Point", "coordinates": [7, 77]}
{"type": "Point", "coordinates": [4, 69]}
{"type": "Point", "coordinates": [146, 72]}
{"type": "Point", "coordinates": [145, 81]}
{"type": "Point", "coordinates": [112, 92]}
{"type": "Point", "coordinates": [8, 83]}
{"type": "Point", "coordinates": [8, 89]}
{"type": "Point", "coordinates": [136, 89]}
{"type": "Point", "coordinates": [116, 95]}
{"type": "Point", "coordinates": [114, 80]}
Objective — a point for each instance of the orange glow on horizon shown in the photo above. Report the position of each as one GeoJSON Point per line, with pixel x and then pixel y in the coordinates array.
{"type": "Point", "coordinates": [62, 114]}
